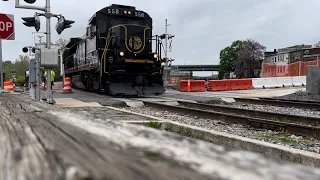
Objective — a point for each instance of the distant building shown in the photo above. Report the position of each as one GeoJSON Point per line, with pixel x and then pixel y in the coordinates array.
{"type": "Point", "coordinates": [286, 55]}
{"type": "Point", "coordinates": [296, 53]}
{"type": "Point", "coordinates": [270, 57]}
{"type": "Point", "coordinates": [276, 63]}
{"type": "Point", "coordinates": [311, 54]}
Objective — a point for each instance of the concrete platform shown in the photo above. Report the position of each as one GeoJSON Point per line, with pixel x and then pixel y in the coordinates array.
{"type": "Point", "coordinates": [70, 102]}
{"type": "Point", "coordinates": [234, 94]}
{"type": "Point", "coordinates": [87, 97]}
{"type": "Point", "coordinates": [170, 97]}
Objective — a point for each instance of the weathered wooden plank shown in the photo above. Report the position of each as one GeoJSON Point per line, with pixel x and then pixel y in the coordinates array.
{"type": "Point", "coordinates": [49, 149]}
{"type": "Point", "coordinates": [39, 144]}
{"type": "Point", "coordinates": [24, 156]}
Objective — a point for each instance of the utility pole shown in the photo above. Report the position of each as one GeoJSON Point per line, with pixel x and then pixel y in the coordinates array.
{"type": "Point", "coordinates": [35, 22]}
{"type": "Point", "coordinates": [1, 69]}
{"type": "Point", "coordinates": [48, 41]}
{"type": "Point", "coordinates": [166, 54]}
{"type": "Point", "coordinates": [166, 41]}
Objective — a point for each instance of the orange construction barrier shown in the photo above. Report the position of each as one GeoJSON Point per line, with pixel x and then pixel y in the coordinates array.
{"type": "Point", "coordinates": [8, 85]}
{"type": "Point", "coordinates": [183, 85]}
{"type": "Point", "coordinates": [198, 86]}
{"type": "Point", "coordinates": [219, 85]}
{"type": "Point", "coordinates": [192, 85]}
{"type": "Point", "coordinates": [241, 84]}
{"type": "Point", "coordinates": [67, 85]}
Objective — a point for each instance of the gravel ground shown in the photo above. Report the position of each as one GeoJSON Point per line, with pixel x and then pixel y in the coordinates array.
{"type": "Point", "coordinates": [275, 109]}
{"type": "Point", "coordinates": [297, 142]}
{"type": "Point", "coordinates": [301, 95]}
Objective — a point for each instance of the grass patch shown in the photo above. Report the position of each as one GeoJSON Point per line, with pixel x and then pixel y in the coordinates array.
{"type": "Point", "coordinates": [287, 140]}
{"type": "Point", "coordinates": [279, 138]}
{"type": "Point", "coordinates": [154, 124]}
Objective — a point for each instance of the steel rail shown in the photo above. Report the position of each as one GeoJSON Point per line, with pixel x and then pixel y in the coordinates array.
{"type": "Point", "coordinates": [291, 100]}
{"type": "Point", "coordinates": [302, 130]}
{"type": "Point", "coordinates": [313, 121]}
{"type": "Point", "coordinates": [280, 102]}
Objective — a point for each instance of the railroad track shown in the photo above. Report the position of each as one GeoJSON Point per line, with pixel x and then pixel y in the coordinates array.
{"type": "Point", "coordinates": [306, 126]}
{"type": "Point", "coordinates": [315, 105]}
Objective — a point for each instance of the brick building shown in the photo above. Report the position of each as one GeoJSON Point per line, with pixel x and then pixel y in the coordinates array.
{"type": "Point", "coordinates": [270, 57]}
{"type": "Point", "coordinates": [311, 54]}
{"type": "Point", "coordinates": [297, 53]}
{"type": "Point", "coordinates": [287, 61]}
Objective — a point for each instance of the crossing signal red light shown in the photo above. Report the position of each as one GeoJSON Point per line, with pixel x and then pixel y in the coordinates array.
{"type": "Point", "coordinates": [30, 1]}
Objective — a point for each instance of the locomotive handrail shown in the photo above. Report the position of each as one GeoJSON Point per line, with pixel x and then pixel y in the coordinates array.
{"type": "Point", "coordinates": [105, 52]}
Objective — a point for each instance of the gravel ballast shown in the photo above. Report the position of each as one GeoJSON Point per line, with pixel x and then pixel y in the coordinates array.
{"type": "Point", "coordinates": [275, 109]}
{"type": "Point", "coordinates": [289, 140]}
{"type": "Point", "coordinates": [302, 96]}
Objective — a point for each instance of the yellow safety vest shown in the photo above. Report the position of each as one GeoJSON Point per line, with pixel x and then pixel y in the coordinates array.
{"type": "Point", "coordinates": [53, 74]}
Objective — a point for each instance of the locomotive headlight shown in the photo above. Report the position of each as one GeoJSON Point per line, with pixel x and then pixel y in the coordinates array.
{"type": "Point", "coordinates": [121, 53]}
{"type": "Point", "coordinates": [125, 11]}
{"type": "Point", "coordinates": [155, 55]}
{"type": "Point", "coordinates": [129, 12]}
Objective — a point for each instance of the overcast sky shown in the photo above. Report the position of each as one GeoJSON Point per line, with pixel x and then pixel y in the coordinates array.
{"type": "Point", "coordinates": [201, 27]}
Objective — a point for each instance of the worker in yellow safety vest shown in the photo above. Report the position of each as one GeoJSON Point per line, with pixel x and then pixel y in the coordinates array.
{"type": "Point", "coordinates": [53, 74]}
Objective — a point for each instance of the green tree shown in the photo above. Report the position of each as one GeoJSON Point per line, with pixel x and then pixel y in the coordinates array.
{"type": "Point", "coordinates": [21, 65]}
{"type": "Point", "coordinates": [248, 58]}
{"type": "Point", "coordinates": [228, 56]}
{"type": "Point", "coordinates": [8, 69]}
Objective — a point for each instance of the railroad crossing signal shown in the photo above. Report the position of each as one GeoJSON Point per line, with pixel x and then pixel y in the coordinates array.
{"type": "Point", "coordinates": [63, 24]}
{"type": "Point", "coordinates": [32, 22]}
{"type": "Point", "coordinates": [7, 27]}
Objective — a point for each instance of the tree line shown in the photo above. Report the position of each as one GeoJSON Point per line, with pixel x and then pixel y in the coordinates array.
{"type": "Point", "coordinates": [242, 57]}
{"type": "Point", "coordinates": [16, 69]}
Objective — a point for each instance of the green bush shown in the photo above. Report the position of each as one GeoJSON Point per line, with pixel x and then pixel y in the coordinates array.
{"type": "Point", "coordinates": [20, 80]}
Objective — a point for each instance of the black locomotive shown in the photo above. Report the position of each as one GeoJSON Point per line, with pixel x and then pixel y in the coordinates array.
{"type": "Point", "coordinates": [115, 55]}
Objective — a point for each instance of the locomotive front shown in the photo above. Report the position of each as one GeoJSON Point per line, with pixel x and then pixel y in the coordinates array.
{"type": "Point", "coordinates": [129, 62]}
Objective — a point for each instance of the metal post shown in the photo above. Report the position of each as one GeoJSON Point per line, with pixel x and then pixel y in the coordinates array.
{"type": "Point", "coordinates": [31, 84]}
{"type": "Point", "coordinates": [37, 61]}
{"type": "Point", "coordinates": [61, 67]}
{"type": "Point", "coordinates": [48, 39]}
{"type": "Point", "coordinates": [63, 76]}
{"type": "Point", "coordinates": [166, 43]}
{"type": "Point", "coordinates": [299, 68]}
{"type": "Point", "coordinates": [166, 54]}
{"type": "Point", "coordinates": [1, 70]}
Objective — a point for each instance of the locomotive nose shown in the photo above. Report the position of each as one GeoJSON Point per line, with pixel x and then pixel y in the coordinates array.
{"type": "Point", "coordinates": [140, 80]}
